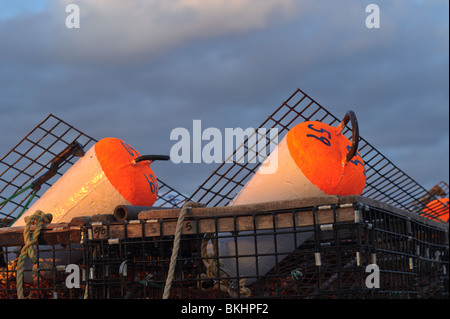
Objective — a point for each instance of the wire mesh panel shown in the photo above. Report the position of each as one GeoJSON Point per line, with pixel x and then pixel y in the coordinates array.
{"type": "Point", "coordinates": [32, 157]}
{"type": "Point", "coordinates": [44, 280]}
{"type": "Point", "coordinates": [169, 196]}
{"type": "Point", "coordinates": [385, 181]}
{"type": "Point", "coordinates": [412, 256]}
{"type": "Point", "coordinates": [58, 246]}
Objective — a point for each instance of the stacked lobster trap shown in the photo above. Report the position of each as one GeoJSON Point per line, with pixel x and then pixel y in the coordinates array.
{"type": "Point", "coordinates": [340, 237]}
{"type": "Point", "coordinates": [386, 243]}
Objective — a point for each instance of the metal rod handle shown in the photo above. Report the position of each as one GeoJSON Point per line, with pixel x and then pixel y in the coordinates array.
{"type": "Point", "coordinates": [350, 116]}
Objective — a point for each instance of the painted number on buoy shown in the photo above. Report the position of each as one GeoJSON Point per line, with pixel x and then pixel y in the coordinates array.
{"type": "Point", "coordinates": [152, 182]}
{"type": "Point", "coordinates": [130, 149]}
{"type": "Point", "coordinates": [356, 162]}
{"type": "Point", "coordinates": [323, 139]}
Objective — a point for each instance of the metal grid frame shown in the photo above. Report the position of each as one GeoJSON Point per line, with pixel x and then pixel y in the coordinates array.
{"type": "Point", "coordinates": [169, 196]}
{"type": "Point", "coordinates": [385, 181]}
{"type": "Point", "coordinates": [31, 157]}
{"type": "Point", "coordinates": [416, 253]}
{"type": "Point", "coordinates": [43, 280]}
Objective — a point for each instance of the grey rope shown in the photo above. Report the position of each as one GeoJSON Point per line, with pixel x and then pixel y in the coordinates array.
{"type": "Point", "coordinates": [176, 246]}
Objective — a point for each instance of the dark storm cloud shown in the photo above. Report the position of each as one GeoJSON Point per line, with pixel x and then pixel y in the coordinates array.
{"type": "Point", "coordinates": [395, 78]}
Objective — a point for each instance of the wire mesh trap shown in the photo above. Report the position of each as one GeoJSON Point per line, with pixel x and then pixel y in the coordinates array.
{"type": "Point", "coordinates": [340, 237]}
{"type": "Point", "coordinates": [311, 248]}
{"type": "Point", "coordinates": [47, 278]}
{"type": "Point", "coordinates": [33, 157]}
{"type": "Point", "coordinates": [385, 181]}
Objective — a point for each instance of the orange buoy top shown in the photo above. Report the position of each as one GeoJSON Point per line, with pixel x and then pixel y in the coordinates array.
{"type": "Point", "coordinates": [320, 151]}
{"type": "Point", "coordinates": [437, 208]}
{"type": "Point", "coordinates": [136, 182]}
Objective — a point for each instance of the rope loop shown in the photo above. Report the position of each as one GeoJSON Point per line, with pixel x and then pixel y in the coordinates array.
{"type": "Point", "coordinates": [39, 218]}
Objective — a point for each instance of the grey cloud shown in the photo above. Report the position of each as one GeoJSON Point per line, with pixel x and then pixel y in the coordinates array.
{"type": "Point", "coordinates": [394, 78]}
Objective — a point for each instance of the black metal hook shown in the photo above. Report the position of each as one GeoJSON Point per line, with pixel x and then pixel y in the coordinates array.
{"type": "Point", "coordinates": [151, 158]}
{"type": "Point", "coordinates": [350, 116]}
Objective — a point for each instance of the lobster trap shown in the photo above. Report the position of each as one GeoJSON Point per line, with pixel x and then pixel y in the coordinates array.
{"type": "Point", "coordinates": [324, 247]}
{"type": "Point", "coordinates": [387, 243]}
{"type": "Point", "coordinates": [319, 247]}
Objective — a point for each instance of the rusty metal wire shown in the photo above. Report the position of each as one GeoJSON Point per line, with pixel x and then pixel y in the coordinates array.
{"type": "Point", "coordinates": [31, 157]}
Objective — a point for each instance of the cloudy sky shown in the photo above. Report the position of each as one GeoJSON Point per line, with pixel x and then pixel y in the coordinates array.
{"type": "Point", "coordinates": [137, 69]}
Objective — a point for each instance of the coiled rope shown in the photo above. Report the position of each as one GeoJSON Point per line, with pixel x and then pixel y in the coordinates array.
{"type": "Point", "coordinates": [39, 218]}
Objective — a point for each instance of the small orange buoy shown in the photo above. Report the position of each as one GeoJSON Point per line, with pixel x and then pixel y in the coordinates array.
{"type": "Point", "coordinates": [108, 175]}
{"type": "Point", "coordinates": [135, 181]}
{"type": "Point", "coordinates": [437, 208]}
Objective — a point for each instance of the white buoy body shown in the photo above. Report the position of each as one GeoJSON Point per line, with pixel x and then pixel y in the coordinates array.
{"type": "Point", "coordinates": [287, 182]}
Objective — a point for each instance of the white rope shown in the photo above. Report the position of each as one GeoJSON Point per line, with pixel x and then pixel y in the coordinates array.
{"type": "Point", "coordinates": [176, 246]}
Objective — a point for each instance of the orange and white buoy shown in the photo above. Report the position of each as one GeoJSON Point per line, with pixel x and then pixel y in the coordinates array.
{"type": "Point", "coordinates": [111, 173]}
{"type": "Point", "coordinates": [313, 159]}
{"type": "Point", "coordinates": [105, 177]}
